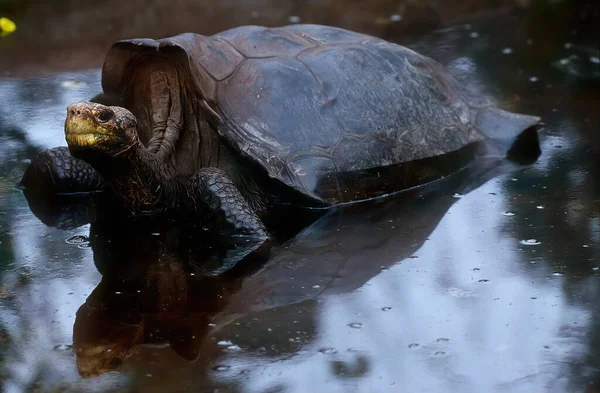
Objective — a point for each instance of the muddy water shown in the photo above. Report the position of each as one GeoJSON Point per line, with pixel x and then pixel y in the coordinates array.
{"type": "Point", "coordinates": [485, 282]}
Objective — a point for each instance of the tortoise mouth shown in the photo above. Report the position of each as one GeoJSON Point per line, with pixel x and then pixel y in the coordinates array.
{"type": "Point", "coordinates": [84, 132]}
{"type": "Point", "coordinates": [85, 140]}
{"type": "Point", "coordinates": [95, 131]}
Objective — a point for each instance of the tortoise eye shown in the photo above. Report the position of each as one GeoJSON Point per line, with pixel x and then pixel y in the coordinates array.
{"type": "Point", "coordinates": [104, 116]}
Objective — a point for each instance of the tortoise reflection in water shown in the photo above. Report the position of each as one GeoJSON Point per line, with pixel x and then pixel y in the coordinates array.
{"type": "Point", "coordinates": [166, 283]}
{"type": "Point", "coordinates": [162, 282]}
{"type": "Point", "coordinates": [233, 124]}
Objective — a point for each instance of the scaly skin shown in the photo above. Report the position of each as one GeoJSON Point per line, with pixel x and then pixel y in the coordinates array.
{"type": "Point", "coordinates": [106, 137]}
{"type": "Point", "coordinates": [218, 193]}
{"type": "Point", "coordinates": [56, 171]}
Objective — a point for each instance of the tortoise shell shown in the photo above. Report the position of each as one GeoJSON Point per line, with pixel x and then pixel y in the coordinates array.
{"type": "Point", "coordinates": [312, 104]}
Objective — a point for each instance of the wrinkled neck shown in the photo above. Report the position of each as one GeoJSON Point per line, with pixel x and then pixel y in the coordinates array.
{"type": "Point", "coordinates": [144, 182]}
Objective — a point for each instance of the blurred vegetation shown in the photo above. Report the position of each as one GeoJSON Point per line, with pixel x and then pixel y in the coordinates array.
{"type": "Point", "coordinates": [7, 26]}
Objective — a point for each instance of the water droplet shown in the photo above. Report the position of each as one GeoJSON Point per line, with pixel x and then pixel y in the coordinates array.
{"type": "Point", "coordinates": [117, 293]}
{"type": "Point", "coordinates": [413, 345]}
{"type": "Point", "coordinates": [507, 51]}
{"type": "Point", "coordinates": [474, 34]}
{"type": "Point", "coordinates": [461, 293]}
{"type": "Point", "coordinates": [530, 242]}
{"type": "Point", "coordinates": [233, 348]}
{"type": "Point", "coordinates": [568, 45]}
{"type": "Point", "coordinates": [386, 309]}
{"type": "Point", "coordinates": [541, 207]}
{"type": "Point", "coordinates": [595, 60]}
{"type": "Point", "coordinates": [585, 245]}
{"type": "Point", "coordinates": [483, 280]}
{"type": "Point", "coordinates": [356, 325]}
{"type": "Point", "coordinates": [442, 340]}
{"type": "Point", "coordinates": [221, 367]}
{"type": "Point", "coordinates": [211, 325]}
{"type": "Point", "coordinates": [510, 214]}
{"type": "Point", "coordinates": [155, 233]}
{"type": "Point", "coordinates": [77, 239]}
{"type": "Point", "coordinates": [557, 274]}
{"type": "Point", "coordinates": [149, 375]}
{"type": "Point", "coordinates": [595, 268]}
{"type": "Point", "coordinates": [224, 343]}
{"type": "Point", "coordinates": [385, 269]}
{"type": "Point", "coordinates": [457, 195]}
{"type": "Point", "coordinates": [440, 353]}
{"type": "Point", "coordinates": [395, 18]}
{"type": "Point", "coordinates": [72, 84]}
{"type": "Point", "coordinates": [534, 79]}
{"type": "Point", "coordinates": [327, 351]}
{"type": "Point", "coordinates": [316, 286]}
{"type": "Point", "coordinates": [294, 19]}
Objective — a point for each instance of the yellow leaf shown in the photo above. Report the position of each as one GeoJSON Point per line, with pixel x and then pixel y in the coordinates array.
{"type": "Point", "coordinates": [7, 26]}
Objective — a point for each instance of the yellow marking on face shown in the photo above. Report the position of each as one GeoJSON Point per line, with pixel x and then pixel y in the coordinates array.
{"type": "Point", "coordinates": [84, 126]}
{"type": "Point", "coordinates": [84, 131]}
{"type": "Point", "coordinates": [83, 139]}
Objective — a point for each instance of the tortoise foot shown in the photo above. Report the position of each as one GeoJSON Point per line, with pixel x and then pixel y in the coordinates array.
{"type": "Point", "coordinates": [212, 189]}
{"type": "Point", "coordinates": [56, 172]}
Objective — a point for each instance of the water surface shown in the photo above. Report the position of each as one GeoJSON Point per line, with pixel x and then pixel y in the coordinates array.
{"type": "Point", "coordinates": [486, 282]}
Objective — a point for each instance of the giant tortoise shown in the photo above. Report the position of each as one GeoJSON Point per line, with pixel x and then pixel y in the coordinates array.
{"type": "Point", "coordinates": [235, 123]}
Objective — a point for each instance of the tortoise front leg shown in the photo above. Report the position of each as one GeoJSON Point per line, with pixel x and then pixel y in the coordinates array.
{"type": "Point", "coordinates": [211, 189]}
{"type": "Point", "coordinates": [55, 172]}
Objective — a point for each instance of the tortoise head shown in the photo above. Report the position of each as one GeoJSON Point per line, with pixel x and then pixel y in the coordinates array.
{"type": "Point", "coordinates": [97, 130]}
